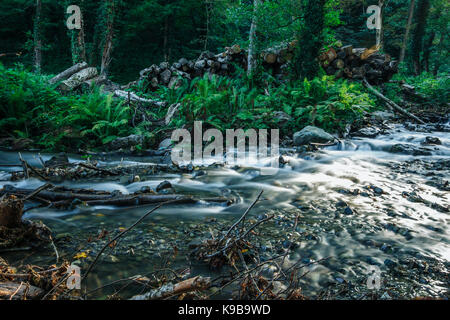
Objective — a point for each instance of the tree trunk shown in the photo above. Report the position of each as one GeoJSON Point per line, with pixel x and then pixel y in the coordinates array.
{"type": "Point", "coordinates": [37, 38]}
{"type": "Point", "coordinates": [441, 45]}
{"type": "Point", "coordinates": [427, 51]}
{"type": "Point", "coordinates": [166, 38]}
{"type": "Point", "coordinates": [252, 46]}
{"type": "Point", "coordinates": [421, 20]}
{"type": "Point", "coordinates": [408, 28]}
{"type": "Point", "coordinates": [108, 42]}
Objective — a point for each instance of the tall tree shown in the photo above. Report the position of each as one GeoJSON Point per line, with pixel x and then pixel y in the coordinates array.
{"type": "Point", "coordinates": [252, 39]}
{"type": "Point", "coordinates": [423, 8]}
{"type": "Point", "coordinates": [37, 63]}
{"type": "Point", "coordinates": [110, 12]}
{"type": "Point", "coordinates": [310, 39]}
{"type": "Point", "coordinates": [412, 5]}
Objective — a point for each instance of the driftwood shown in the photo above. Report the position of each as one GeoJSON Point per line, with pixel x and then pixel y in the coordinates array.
{"type": "Point", "coordinates": [19, 291]}
{"type": "Point", "coordinates": [133, 97]}
{"type": "Point", "coordinates": [391, 103]}
{"type": "Point", "coordinates": [171, 290]}
{"type": "Point", "coordinates": [69, 72]}
{"type": "Point", "coordinates": [104, 198]}
{"type": "Point", "coordinates": [78, 78]}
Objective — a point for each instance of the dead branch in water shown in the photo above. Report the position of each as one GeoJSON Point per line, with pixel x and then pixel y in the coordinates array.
{"type": "Point", "coordinates": [169, 290]}
{"type": "Point", "coordinates": [391, 103]}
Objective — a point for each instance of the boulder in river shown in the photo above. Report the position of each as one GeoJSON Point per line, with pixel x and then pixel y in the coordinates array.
{"type": "Point", "coordinates": [381, 116]}
{"type": "Point", "coordinates": [57, 161]}
{"type": "Point", "coordinates": [429, 141]}
{"type": "Point", "coordinates": [410, 150]}
{"type": "Point", "coordinates": [368, 132]}
{"type": "Point", "coordinates": [312, 134]}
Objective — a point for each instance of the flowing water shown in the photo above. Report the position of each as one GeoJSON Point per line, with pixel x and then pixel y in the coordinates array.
{"type": "Point", "coordinates": [357, 202]}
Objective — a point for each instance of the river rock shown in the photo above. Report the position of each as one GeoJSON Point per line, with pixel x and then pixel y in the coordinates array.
{"type": "Point", "coordinates": [410, 150]}
{"type": "Point", "coordinates": [368, 132]}
{"type": "Point", "coordinates": [381, 116]}
{"type": "Point", "coordinates": [163, 185]}
{"type": "Point", "coordinates": [432, 141]}
{"type": "Point", "coordinates": [165, 144]}
{"type": "Point", "coordinates": [57, 161]}
{"type": "Point", "coordinates": [281, 117]}
{"type": "Point", "coordinates": [312, 134]}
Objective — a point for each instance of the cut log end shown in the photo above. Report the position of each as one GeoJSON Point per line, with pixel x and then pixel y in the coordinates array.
{"type": "Point", "coordinates": [11, 209]}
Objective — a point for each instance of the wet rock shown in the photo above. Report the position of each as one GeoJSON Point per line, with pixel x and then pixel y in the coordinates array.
{"type": "Point", "coordinates": [369, 132]}
{"type": "Point", "coordinates": [341, 204]}
{"type": "Point", "coordinates": [58, 161]}
{"type": "Point", "coordinates": [348, 211]}
{"type": "Point", "coordinates": [281, 117]}
{"type": "Point", "coordinates": [126, 142]}
{"type": "Point", "coordinates": [199, 173]}
{"type": "Point", "coordinates": [410, 150]}
{"type": "Point", "coordinates": [163, 186]}
{"type": "Point", "coordinates": [165, 144]}
{"type": "Point", "coordinates": [432, 141]}
{"type": "Point", "coordinates": [390, 264]}
{"type": "Point", "coordinates": [381, 116]}
{"type": "Point", "coordinates": [146, 189]}
{"type": "Point", "coordinates": [372, 261]}
{"type": "Point", "coordinates": [312, 134]}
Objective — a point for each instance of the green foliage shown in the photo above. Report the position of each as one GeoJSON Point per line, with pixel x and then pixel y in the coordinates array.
{"type": "Point", "coordinates": [323, 102]}
{"type": "Point", "coordinates": [435, 90]}
{"type": "Point", "coordinates": [29, 107]}
{"type": "Point", "coordinates": [311, 40]}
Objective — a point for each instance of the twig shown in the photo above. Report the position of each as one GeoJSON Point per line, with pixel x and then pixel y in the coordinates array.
{"type": "Point", "coordinates": [25, 166]}
{"type": "Point", "coordinates": [120, 235]}
{"type": "Point", "coordinates": [37, 191]}
{"type": "Point", "coordinates": [243, 216]}
{"type": "Point", "coordinates": [17, 290]}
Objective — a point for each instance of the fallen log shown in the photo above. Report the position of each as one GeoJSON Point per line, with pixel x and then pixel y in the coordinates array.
{"type": "Point", "coordinates": [19, 291]}
{"type": "Point", "coordinates": [132, 97]}
{"type": "Point", "coordinates": [78, 78]}
{"type": "Point", "coordinates": [104, 198]}
{"type": "Point", "coordinates": [391, 103]}
{"type": "Point", "coordinates": [68, 73]}
{"type": "Point", "coordinates": [170, 290]}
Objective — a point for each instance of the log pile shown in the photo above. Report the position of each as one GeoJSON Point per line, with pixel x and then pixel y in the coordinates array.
{"type": "Point", "coordinates": [358, 64]}
{"type": "Point", "coordinates": [172, 76]}
{"type": "Point", "coordinates": [345, 62]}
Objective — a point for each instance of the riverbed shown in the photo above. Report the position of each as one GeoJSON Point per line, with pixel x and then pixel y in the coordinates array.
{"type": "Point", "coordinates": [360, 203]}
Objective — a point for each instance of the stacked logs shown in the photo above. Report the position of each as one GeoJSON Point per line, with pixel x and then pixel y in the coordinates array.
{"type": "Point", "coordinates": [172, 76]}
{"type": "Point", "coordinates": [359, 63]}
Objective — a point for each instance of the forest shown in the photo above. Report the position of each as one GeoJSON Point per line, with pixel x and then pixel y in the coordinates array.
{"type": "Point", "coordinates": [353, 93]}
